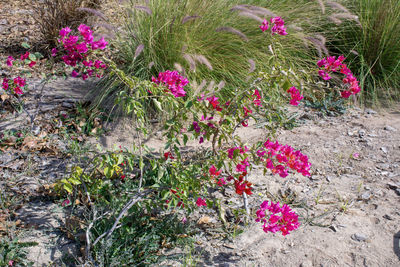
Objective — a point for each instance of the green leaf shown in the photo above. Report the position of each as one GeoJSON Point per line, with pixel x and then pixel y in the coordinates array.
{"type": "Point", "coordinates": [32, 57]}
{"type": "Point", "coordinates": [185, 139]}
{"type": "Point", "coordinates": [25, 45]}
{"type": "Point", "coordinates": [188, 104]}
{"type": "Point", "coordinates": [158, 104]}
{"type": "Point", "coordinates": [68, 187]}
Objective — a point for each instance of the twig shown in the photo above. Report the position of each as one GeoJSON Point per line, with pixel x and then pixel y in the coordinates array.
{"type": "Point", "coordinates": [129, 205]}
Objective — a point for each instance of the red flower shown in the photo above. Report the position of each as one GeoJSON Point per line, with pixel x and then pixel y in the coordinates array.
{"type": "Point", "coordinates": [213, 171]}
{"type": "Point", "coordinates": [168, 155]}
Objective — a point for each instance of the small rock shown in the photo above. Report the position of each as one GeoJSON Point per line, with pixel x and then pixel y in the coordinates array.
{"type": "Point", "coordinates": [306, 263]}
{"type": "Point", "coordinates": [397, 191]}
{"type": "Point", "coordinates": [388, 217]}
{"type": "Point", "coordinates": [359, 237]}
{"type": "Point", "coordinates": [366, 196]}
{"type": "Point", "coordinates": [333, 228]}
{"type": "Point", "coordinates": [370, 111]}
{"type": "Point", "coordinates": [3, 22]}
{"type": "Point", "coordinates": [361, 133]}
{"type": "Point", "coordinates": [36, 130]}
{"type": "Point", "coordinates": [389, 128]}
{"type": "Point", "coordinates": [67, 105]}
{"type": "Point", "coordinates": [384, 149]}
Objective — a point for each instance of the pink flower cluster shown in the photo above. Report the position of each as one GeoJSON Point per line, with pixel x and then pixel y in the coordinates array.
{"type": "Point", "coordinates": [256, 98]}
{"type": "Point", "coordinates": [296, 97]}
{"type": "Point", "coordinates": [280, 158]}
{"type": "Point", "coordinates": [278, 26]}
{"type": "Point", "coordinates": [173, 81]}
{"type": "Point", "coordinates": [280, 218]}
{"type": "Point", "coordinates": [331, 65]}
{"type": "Point", "coordinates": [201, 202]}
{"type": "Point", "coordinates": [77, 53]}
{"type": "Point", "coordinates": [213, 100]}
{"type": "Point", "coordinates": [215, 175]}
{"type": "Point", "coordinates": [15, 85]}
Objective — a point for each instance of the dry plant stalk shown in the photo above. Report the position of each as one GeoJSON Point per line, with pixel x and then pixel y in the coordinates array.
{"type": "Point", "coordinates": [52, 15]}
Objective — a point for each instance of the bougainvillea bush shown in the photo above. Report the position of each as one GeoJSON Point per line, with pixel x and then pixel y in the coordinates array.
{"type": "Point", "coordinates": [171, 181]}
{"type": "Point", "coordinates": [115, 187]}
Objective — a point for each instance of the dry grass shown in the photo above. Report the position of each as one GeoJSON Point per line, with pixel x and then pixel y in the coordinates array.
{"type": "Point", "coordinates": [52, 15]}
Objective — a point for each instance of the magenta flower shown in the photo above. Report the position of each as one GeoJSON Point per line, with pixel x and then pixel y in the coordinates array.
{"type": "Point", "coordinates": [10, 60]}
{"type": "Point", "coordinates": [331, 65]}
{"type": "Point", "coordinates": [100, 44]}
{"type": "Point", "coordinates": [201, 202]}
{"type": "Point", "coordinates": [264, 26]}
{"type": "Point", "coordinates": [24, 56]}
{"type": "Point", "coordinates": [33, 63]}
{"type": "Point", "coordinates": [53, 52]}
{"type": "Point", "coordinates": [18, 91]}
{"type": "Point", "coordinates": [213, 171]}
{"type": "Point", "coordinates": [5, 84]}
{"type": "Point", "coordinates": [65, 31]}
{"type": "Point", "coordinates": [296, 97]}
{"type": "Point", "coordinates": [86, 32]}
{"type": "Point", "coordinates": [173, 81]}
{"type": "Point", "coordinates": [276, 218]}
{"type": "Point", "coordinates": [74, 74]}
{"type": "Point", "coordinates": [81, 48]}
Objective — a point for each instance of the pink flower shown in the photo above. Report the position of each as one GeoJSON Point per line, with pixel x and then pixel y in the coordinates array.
{"type": "Point", "coordinates": [74, 74]}
{"type": "Point", "coordinates": [276, 218]}
{"type": "Point", "coordinates": [173, 81]}
{"type": "Point", "coordinates": [65, 202]}
{"type": "Point", "coordinates": [196, 127]}
{"type": "Point", "coordinates": [100, 44]}
{"type": "Point", "coordinates": [53, 52]}
{"type": "Point", "coordinates": [65, 31]}
{"type": "Point", "coordinates": [10, 60]}
{"type": "Point", "coordinates": [85, 31]}
{"type": "Point", "coordinates": [264, 26]}
{"type": "Point", "coordinates": [242, 166]}
{"type": "Point", "coordinates": [5, 84]}
{"type": "Point", "coordinates": [278, 26]}
{"type": "Point", "coordinates": [25, 56]}
{"type": "Point", "coordinates": [33, 63]}
{"type": "Point", "coordinates": [296, 97]}
{"type": "Point", "coordinates": [213, 171]}
{"type": "Point", "coordinates": [10, 263]}
{"type": "Point", "coordinates": [201, 202]}
{"type": "Point", "coordinates": [221, 182]}
{"type": "Point", "coordinates": [356, 155]}
{"type": "Point", "coordinates": [331, 65]}
{"type": "Point", "coordinates": [213, 100]}
{"type": "Point", "coordinates": [81, 48]}
{"type": "Point", "coordinates": [19, 81]}
{"type": "Point", "coordinates": [257, 98]}
{"type": "Point", "coordinates": [84, 77]}
{"type": "Point", "coordinates": [18, 90]}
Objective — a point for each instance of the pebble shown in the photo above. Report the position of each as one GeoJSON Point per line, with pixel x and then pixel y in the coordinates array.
{"type": "Point", "coordinates": [333, 228]}
{"type": "Point", "coordinates": [388, 217]}
{"type": "Point", "coordinates": [359, 237]}
{"type": "Point", "coordinates": [306, 263]}
{"type": "Point", "coordinates": [36, 130]}
{"type": "Point", "coordinates": [384, 149]}
{"type": "Point", "coordinates": [67, 105]}
{"type": "Point", "coordinates": [366, 195]}
{"type": "Point", "coordinates": [3, 22]}
{"type": "Point", "coordinates": [389, 128]}
{"type": "Point", "coordinates": [370, 111]}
